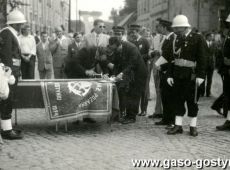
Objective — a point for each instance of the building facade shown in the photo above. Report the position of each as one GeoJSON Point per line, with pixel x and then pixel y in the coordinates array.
{"type": "Point", "coordinates": [45, 14]}
{"type": "Point", "coordinates": [205, 15]}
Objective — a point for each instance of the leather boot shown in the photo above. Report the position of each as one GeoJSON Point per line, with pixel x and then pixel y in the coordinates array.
{"type": "Point", "coordinates": [193, 131]}
{"type": "Point", "coordinates": [225, 126]}
{"type": "Point", "coordinates": [175, 130]}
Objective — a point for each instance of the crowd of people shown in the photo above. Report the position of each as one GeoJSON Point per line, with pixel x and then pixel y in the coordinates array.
{"type": "Point", "coordinates": [181, 60]}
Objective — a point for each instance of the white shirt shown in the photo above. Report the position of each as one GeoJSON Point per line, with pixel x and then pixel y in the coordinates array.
{"type": "Point", "coordinates": [27, 44]}
{"type": "Point", "coordinates": [158, 42]}
{"type": "Point", "coordinates": [94, 39]}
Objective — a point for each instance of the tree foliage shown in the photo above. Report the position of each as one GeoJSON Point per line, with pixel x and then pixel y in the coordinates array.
{"type": "Point", "coordinates": [130, 6]}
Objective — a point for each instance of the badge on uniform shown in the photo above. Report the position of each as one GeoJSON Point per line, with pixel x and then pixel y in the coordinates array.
{"type": "Point", "coordinates": [140, 46]}
{"type": "Point", "coordinates": [16, 62]}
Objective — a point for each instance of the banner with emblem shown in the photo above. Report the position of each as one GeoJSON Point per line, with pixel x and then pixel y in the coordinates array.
{"type": "Point", "coordinates": [74, 98]}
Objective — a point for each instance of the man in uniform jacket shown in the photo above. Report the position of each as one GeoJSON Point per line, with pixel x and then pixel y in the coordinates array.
{"type": "Point", "coordinates": [226, 78]}
{"type": "Point", "coordinates": [188, 72]}
{"type": "Point", "coordinates": [165, 89]}
{"type": "Point", "coordinates": [129, 67]}
{"type": "Point", "coordinates": [143, 46]}
{"type": "Point", "coordinates": [45, 60]}
{"type": "Point", "coordinates": [10, 55]}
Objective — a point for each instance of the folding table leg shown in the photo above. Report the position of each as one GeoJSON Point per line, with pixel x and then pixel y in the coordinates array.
{"type": "Point", "coordinates": [56, 126]}
{"type": "Point", "coordinates": [109, 121]}
{"type": "Point", "coordinates": [15, 116]}
{"type": "Point", "coordinates": [66, 126]}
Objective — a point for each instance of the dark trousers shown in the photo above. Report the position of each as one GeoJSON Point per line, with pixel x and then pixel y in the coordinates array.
{"type": "Point", "coordinates": [226, 92]}
{"type": "Point", "coordinates": [6, 106]}
{"type": "Point", "coordinates": [145, 93]}
{"type": "Point", "coordinates": [27, 68]}
{"type": "Point", "coordinates": [184, 90]}
{"type": "Point", "coordinates": [208, 79]}
{"type": "Point", "coordinates": [122, 100]}
{"type": "Point", "coordinates": [167, 100]}
{"type": "Point", "coordinates": [132, 103]}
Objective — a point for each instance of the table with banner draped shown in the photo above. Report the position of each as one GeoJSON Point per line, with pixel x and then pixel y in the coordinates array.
{"type": "Point", "coordinates": [66, 99]}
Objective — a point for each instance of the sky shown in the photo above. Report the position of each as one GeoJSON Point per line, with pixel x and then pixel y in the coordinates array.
{"type": "Point", "coordinates": [103, 6]}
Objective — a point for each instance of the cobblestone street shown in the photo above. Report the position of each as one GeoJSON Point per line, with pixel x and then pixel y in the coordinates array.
{"type": "Point", "coordinates": [95, 147]}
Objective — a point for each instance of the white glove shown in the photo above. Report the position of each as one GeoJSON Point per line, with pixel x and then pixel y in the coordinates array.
{"type": "Point", "coordinates": [170, 81]}
{"type": "Point", "coordinates": [11, 80]}
{"type": "Point", "coordinates": [199, 81]}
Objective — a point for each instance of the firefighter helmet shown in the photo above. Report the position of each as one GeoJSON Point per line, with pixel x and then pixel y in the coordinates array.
{"type": "Point", "coordinates": [15, 17]}
{"type": "Point", "coordinates": [180, 21]}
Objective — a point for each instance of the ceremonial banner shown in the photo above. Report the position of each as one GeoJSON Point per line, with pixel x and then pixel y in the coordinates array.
{"type": "Point", "coordinates": [73, 98]}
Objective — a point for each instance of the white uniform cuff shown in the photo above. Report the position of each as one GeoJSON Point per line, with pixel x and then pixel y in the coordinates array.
{"type": "Point", "coordinates": [6, 124]}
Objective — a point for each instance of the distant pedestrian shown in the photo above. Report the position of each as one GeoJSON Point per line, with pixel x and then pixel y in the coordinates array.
{"type": "Point", "coordinates": [155, 52]}
{"type": "Point", "coordinates": [28, 50]}
{"type": "Point", "coordinates": [59, 48]}
{"type": "Point", "coordinates": [205, 87]}
{"type": "Point", "coordinates": [45, 59]}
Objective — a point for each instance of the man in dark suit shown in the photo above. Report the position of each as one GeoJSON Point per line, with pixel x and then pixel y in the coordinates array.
{"type": "Point", "coordinates": [166, 90]}
{"type": "Point", "coordinates": [187, 74]}
{"type": "Point", "coordinates": [84, 65]}
{"type": "Point", "coordinates": [226, 78]}
{"type": "Point", "coordinates": [10, 55]}
{"type": "Point", "coordinates": [130, 68]}
{"type": "Point", "coordinates": [210, 52]}
{"type": "Point", "coordinates": [143, 46]}
{"type": "Point", "coordinates": [74, 47]}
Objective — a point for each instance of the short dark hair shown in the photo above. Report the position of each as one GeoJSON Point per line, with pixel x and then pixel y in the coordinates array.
{"type": "Point", "coordinates": [43, 32]}
{"type": "Point", "coordinates": [76, 34]}
{"type": "Point", "coordinates": [97, 21]}
{"type": "Point", "coordinates": [115, 40]}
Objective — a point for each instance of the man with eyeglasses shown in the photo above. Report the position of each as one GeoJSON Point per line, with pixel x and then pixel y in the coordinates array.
{"type": "Point", "coordinates": [96, 37]}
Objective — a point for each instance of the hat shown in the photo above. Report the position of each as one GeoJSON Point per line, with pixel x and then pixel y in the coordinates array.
{"type": "Point", "coordinates": [164, 22]}
{"type": "Point", "coordinates": [118, 29]}
{"type": "Point", "coordinates": [134, 27]}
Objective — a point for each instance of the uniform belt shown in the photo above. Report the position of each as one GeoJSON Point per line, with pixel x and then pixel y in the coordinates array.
{"type": "Point", "coordinates": [25, 54]}
{"type": "Point", "coordinates": [184, 63]}
{"type": "Point", "coordinates": [226, 61]}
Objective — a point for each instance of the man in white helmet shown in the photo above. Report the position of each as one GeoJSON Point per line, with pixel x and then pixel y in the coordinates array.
{"type": "Point", "coordinates": [186, 73]}
{"type": "Point", "coordinates": [226, 75]}
{"type": "Point", "coordinates": [10, 56]}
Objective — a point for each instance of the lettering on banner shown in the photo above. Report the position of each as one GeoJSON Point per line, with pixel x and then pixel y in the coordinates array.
{"type": "Point", "coordinates": [55, 110]}
{"type": "Point", "coordinates": [58, 91]}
